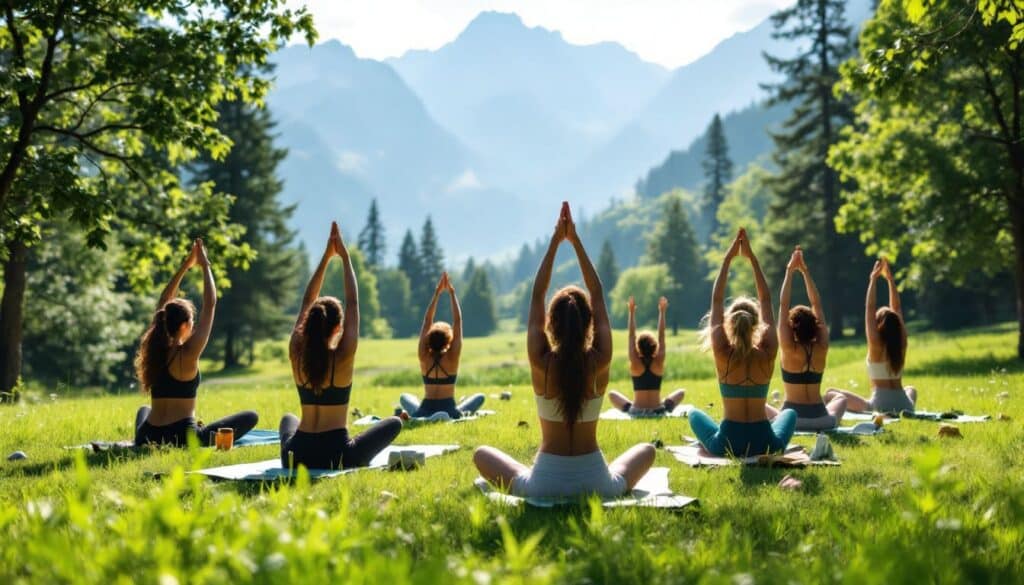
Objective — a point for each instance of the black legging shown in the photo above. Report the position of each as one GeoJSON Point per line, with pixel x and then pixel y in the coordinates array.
{"type": "Point", "coordinates": [334, 449]}
{"type": "Point", "coordinates": [177, 432]}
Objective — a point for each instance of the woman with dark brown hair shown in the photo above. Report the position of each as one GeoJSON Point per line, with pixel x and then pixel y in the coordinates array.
{"type": "Point", "coordinates": [887, 350]}
{"type": "Point", "coordinates": [803, 339]}
{"type": "Point", "coordinates": [322, 353]}
{"type": "Point", "coordinates": [439, 351]}
{"type": "Point", "coordinates": [168, 365]}
{"type": "Point", "coordinates": [570, 350]}
{"type": "Point", "coordinates": [647, 368]}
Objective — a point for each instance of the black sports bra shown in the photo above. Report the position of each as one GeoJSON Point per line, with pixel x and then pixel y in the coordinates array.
{"type": "Point", "coordinates": [448, 378]}
{"type": "Point", "coordinates": [806, 376]}
{"type": "Point", "coordinates": [330, 396]}
{"type": "Point", "coordinates": [647, 380]}
{"type": "Point", "coordinates": [167, 386]}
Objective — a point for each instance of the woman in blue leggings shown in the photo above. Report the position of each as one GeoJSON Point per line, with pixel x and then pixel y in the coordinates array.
{"type": "Point", "coordinates": [744, 342]}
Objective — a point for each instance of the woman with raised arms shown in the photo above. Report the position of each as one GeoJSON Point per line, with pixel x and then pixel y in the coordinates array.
{"type": "Point", "coordinates": [570, 350]}
{"type": "Point", "coordinates": [323, 353]}
{"type": "Point", "coordinates": [647, 368]}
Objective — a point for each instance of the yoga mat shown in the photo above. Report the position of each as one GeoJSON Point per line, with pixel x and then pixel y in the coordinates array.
{"type": "Point", "coordinates": [271, 469]}
{"type": "Point", "coordinates": [861, 429]}
{"type": "Point", "coordinates": [372, 419]}
{"type": "Point", "coordinates": [681, 411]}
{"type": "Point", "coordinates": [696, 456]}
{"type": "Point", "coordinates": [922, 415]}
{"type": "Point", "coordinates": [253, 438]}
{"type": "Point", "coordinates": [652, 491]}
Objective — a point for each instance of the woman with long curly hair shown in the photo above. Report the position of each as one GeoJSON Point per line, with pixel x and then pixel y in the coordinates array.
{"type": "Point", "coordinates": [570, 351]}
{"type": "Point", "coordinates": [167, 365]}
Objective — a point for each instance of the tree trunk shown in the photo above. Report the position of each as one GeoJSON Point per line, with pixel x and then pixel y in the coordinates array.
{"type": "Point", "coordinates": [12, 314]}
{"type": "Point", "coordinates": [230, 356]}
{"type": "Point", "coordinates": [1017, 225]}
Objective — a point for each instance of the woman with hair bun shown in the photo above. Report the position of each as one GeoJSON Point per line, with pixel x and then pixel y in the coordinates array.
{"type": "Point", "coordinates": [647, 368]}
{"type": "Point", "coordinates": [439, 351]}
{"type": "Point", "coordinates": [167, 365]}
{"type": "Point", "coordinates": [887, 351]}
{"type": "Point", "coordinates": [803, 339]}
{"type": "Point", "coordinates": [322, 353]}
{"type": "Point", "coordinates": [744, 343]}
{"type": "Point", "coordinates": [570, 350]}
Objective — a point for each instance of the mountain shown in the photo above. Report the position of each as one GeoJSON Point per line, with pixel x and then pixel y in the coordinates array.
{"type": "Point", "coordinates": [356, 131]}
{"type": "Point", "coordinates": [524, 99]}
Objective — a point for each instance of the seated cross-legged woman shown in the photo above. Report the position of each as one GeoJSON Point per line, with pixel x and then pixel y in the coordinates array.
{"type": "Point", "coordinates": [647, 368]}
{"type": "Point", "coordinates": [570, 350]}
{"type": "Point", "coordinates": [322, 366]}
{"type": "Point", "coordinates": [168, 365]}
{"type": "Point", "coordinates": [803, 339]}
{"type": "Point", "coordinates": [744, 343]}
{"type": "Point", "coordinates": [887, 351]}
{"type": "Point", "coordinates": [439, 352]}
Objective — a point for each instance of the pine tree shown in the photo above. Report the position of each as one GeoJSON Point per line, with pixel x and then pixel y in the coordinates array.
{"type": "Point", "coordinates": [607, 268]}
{"type": "Point", "coordinates": [479, 315]}
{"type": "Point", "coordinates": [409, 264]}
{"type": "Point", "coordinates": [396, 302]}
{"type": "Point", "coordinates": [717, 175]}
{"type": "Point", "coordinates": [467, 272]}
{"type": "Point", "coordinates": [431, 266]}
{"type": "Point", "coordinates": [806, 191]}
{"type": "Point", "coordinates": [372, 240]}
{"type": "Point", "coordinates": [253, 308]}
{"type": "Point", "coordinates": [674, 244]}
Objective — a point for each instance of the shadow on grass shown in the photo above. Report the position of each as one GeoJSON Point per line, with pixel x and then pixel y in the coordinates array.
{"type": "Point", "coordinates": [960, 366]}
{"type": "Point", "coordinates": [753, 476]}
{"type": "Point", "coordinates": [92, 459]}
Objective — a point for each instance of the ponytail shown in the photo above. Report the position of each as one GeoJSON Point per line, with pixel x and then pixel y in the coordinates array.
{"type": "Point", "coordinates": [647, 347]}
{"type": "Point", "coordinates": [570, 321]}
{"type": "Point", "coordinates": [155, 345]}
{"type": "Point", "coordinates": [319, 323]}
{"type": "Point", "coordinates": [890, 328]}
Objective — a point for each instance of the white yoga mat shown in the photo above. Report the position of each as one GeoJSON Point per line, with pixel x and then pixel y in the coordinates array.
{"type": "Point", "coordinates": [922, 415]}
{"type": "Point", "coordinates": [697, 456]}
{"type": "Point", "coordinates": [652, 491]}
{"type": "Point", "coordinates": [271, 469]}
{"type": "Point", "coordinates": [681, 411]}
{"type": "Point", "coordinates": [866, 429]}
{"type": "Point", "coordinates": [372, 419]}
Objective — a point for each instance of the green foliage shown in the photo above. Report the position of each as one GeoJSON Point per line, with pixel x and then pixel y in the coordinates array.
{"type": "Point", "coordinates": [396, 302]}
{"type": "Point", "coordinates": [674, 244]}
{"type": "Point", "coordinates": [647, 284]}
{"type": "Point", "coordinates": [717, 174]}
{"type": "Point", "coordinates": [745, 206]}
{"type": "Point", "coordinates": [256, 306]}
{"type": "Point", "coordinates": [372, 239]}
{"type": "Point", "coordinates": [479, 315]}
{"type": "Point", "coordinates": [607, 268]}
{"type": "Point", "coordinates": [369, 298]}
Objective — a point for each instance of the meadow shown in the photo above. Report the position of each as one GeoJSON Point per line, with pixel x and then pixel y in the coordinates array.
{"type": "Point", "coordinates": [905, 506]}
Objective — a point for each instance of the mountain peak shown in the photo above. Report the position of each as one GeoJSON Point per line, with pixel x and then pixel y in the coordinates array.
{"type": "Point", "coordinates": [495, 20]}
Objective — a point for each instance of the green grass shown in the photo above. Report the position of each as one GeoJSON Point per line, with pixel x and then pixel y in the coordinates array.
{"type": "Point", "coordinates": [904, 507]}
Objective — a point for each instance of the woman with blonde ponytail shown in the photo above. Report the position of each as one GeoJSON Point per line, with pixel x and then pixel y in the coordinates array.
{"type": "Point", "coordinates": [570, 351]}
{"type": "Point", "coordinates": [744, 343]}
{"type": "Point", "coordinates": [167, 365]}
{"type": "Point", "coordinates": [439, 351]}
{"type": "Point", "coordinates": [322, 353]}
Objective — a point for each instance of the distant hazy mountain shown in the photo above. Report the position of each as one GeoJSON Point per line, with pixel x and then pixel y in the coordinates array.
{"type": "Point", "coordinates": [355, 131]}
{"type": "Point", "coordinates": [528, 102]}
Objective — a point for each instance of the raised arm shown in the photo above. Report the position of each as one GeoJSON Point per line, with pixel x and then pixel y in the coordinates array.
{"type": "Point", "coordinates": [602, 325]}
{"type": "Point", "coordinates": [770, 340]}
{"type": "Point", "coordinates": [350, 335]}
{"type": "Point", "coordinates": [316, 282]}
{"type": "Point", "coordinates": [871, 305]}
{"type": "Point", "coordinates": [456, 347]}
{"type": "Point", "coordinates": [815, 298]}
{"type": "Point", "coordinates": [171, 290]}
{"type": "Point", "coordinates": [718, 337]}
{"type": "Point", "coordinates": [894, 293]}
{"type": "Point", "coordinates": [201, 333]}
{"type": "Point", "coordinates": [785, 297]}
{"type": "Point", "coordinates": [662, 312]}
{"type": "Point", "coordinates": [631, 327]}
{"type": "Point", "coordinates": [536, 339]}
{"type": "Point", "coordinates": [428, 316]}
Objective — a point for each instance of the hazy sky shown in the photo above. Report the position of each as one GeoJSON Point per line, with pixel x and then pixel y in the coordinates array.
{"type": "Point", "coordinates": [669, 32]}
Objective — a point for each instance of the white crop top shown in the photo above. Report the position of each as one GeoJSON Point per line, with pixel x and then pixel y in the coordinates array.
{"type": "Point", "coordinates": [882, 371]}
{"type": "Point", "coordinates": [549, 409]}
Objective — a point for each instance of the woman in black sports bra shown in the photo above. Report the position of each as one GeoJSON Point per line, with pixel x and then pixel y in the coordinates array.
{"type": "Point", "coordinates": [322, 366]}
{"type": "Point", "coordinates": [439, 352]}
{"type": "Point", "coordinates": [168, 365]}
{"type": "Point", "coordinates": [803, 339]}
{"type": "Point", "coordinates": [647, 367]}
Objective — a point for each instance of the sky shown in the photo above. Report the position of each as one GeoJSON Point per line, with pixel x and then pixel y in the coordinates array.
{"type": "Point", "coordinates": [668, 32]}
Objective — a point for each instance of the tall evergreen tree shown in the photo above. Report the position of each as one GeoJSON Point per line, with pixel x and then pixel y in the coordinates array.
{"type": "Point", "coordinates": [372, 240]}
{"type": "Point", "coordinates": [607, 268]}
{"type": "Point", "coordinates": [717, 175]}
{"type": "Point", "coordinates": [431, 255]}
{"type": "Point", "coordinates": [253, 308]}
{"type": "Point", "coordinates": [409, 263]}
{"type": "Point", "coordinates": [479, 315]}
{"type": "Point", "coordinates": [805, 192]}
{"type": "Point", "coordinates": [467, 272]}
{"type": "Point", "coordinates": [674, 244]}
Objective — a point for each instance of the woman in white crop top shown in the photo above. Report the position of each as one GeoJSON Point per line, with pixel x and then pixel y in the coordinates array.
{"type": "Point", "coordinates": [570, 351]}
{"type": "Point", "coordinates": [887, 351]}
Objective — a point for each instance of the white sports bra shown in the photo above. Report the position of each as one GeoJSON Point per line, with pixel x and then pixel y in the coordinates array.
{"type": "Point", "coordinates": [549, 409]}
{"type": "Point", "coordinates": [882, 371]}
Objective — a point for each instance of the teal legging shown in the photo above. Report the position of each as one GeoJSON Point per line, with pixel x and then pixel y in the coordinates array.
{"type": "Point", "coordinates": [743, 439]}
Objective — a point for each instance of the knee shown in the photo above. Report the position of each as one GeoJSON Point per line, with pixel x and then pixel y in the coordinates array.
{"type": "Point", "coordinates": [251, 417]}
{"type": "Point", "coordinates": [481, 456]}
{"type": "Point", "coordinates": [646, 453]}
{"type": "Point", "coordinates": [839, 400]}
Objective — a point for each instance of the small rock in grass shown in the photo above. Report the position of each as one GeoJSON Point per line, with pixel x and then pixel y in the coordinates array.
{"type": "Point", "coordinates": [790, 483]}
{"type": "Point", "coordinates": [523, 424]}
{"type": "Point", "coordinates": [17, 456]}
{"type": "Point", "coordinates": [506, 396]}
{"type": "Point", "coordinates": [950, 432]}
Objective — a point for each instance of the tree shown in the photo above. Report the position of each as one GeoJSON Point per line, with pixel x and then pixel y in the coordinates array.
{"type": "Point", "coordinates": [646, 284]}
{"type": "Point", "coordinates": [370, 322]}
{"type": "Point", "coordinates": [806, 190]}
{"type": "Point", "coordinates": [253, 308]}
{"type": "Point", "coordinates": [410, 264]}
{"type": "Point", "coordinates": [607, 269]}
{"type": "Point", "coordinates": [717, 174]}
{"type": "Point", "coordinates": [431, 258]}
{"type": "Point", "coordinates": [467, 272]}
{"type": "Point", "coordinates": [99, 99]}
{"type": "Point", "coordinates": [372, 240]}
{"type": "Point", "coordinates": [745, 206]}
{"type": "Point", "coordinates": [396, 302]}
{"type": "Point", "coordinates": [673, 244]}
{"type": "Point", "coordinates": [479, 316]}
{"type": "Point", "coordinates": [939, 159]}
